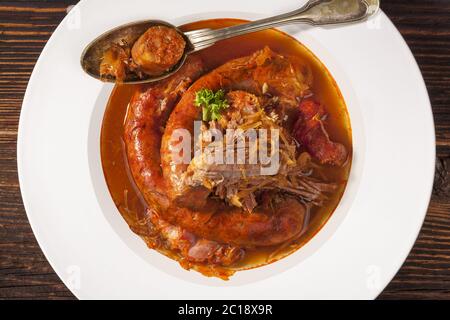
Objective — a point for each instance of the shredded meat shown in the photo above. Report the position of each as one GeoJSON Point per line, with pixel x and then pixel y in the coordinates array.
{"type": "Point", "coordinates": [240, 184]}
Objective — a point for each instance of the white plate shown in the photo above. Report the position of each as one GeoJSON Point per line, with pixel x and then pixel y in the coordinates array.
{"type": "Point", "coordinates": [355, 255]}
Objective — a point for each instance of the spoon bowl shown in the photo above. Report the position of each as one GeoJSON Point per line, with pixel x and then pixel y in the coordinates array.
{"type": "Point", "coordinates": [128, 33]}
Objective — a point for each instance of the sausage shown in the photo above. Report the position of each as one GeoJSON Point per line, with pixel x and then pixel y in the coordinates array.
{"type": "Point", "coordinates": [262, 227]}
{"type": "Point", "coordinates": [144, 124]}
{"type": "Point", "coordinates": [146, 117]}
{"type": "Point", "coordinates": [193, 249]}
{"type": "Point", "coordinates": [158, 49]}
{"type": "Point", "coordinates": [309, 130]}
{"type": "Point", "coordinates": [216, 221]}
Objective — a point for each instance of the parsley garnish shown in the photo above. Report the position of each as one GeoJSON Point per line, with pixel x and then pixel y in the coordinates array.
{"type": "Point", "coordinates": [212, 103]}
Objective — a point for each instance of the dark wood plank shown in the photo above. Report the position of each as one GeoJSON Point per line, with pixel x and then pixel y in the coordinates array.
{"type": "Point", "coordinates": [25, 26]}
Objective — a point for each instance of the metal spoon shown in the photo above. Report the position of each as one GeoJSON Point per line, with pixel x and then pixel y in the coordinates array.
{"type": "Point", "coordinates": [314, 12]}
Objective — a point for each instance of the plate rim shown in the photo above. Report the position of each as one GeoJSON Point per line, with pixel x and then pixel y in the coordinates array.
{"type": "Point", "coordinates": [21, 141]}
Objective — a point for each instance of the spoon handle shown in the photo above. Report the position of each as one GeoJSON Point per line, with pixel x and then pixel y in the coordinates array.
{"type": "Point", "coordinates": [314, 12]}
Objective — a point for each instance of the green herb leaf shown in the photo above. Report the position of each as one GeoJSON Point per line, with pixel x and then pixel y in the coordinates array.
{"type": "Point", "coordinates": [212, 104]}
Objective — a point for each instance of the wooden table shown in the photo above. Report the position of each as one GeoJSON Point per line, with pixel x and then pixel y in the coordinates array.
{"type": "Point", "coordinates": [25, 26]}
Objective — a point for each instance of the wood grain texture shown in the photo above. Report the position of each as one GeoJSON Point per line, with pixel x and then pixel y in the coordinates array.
{"type": "Point", "coordinates": [25, 26]}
